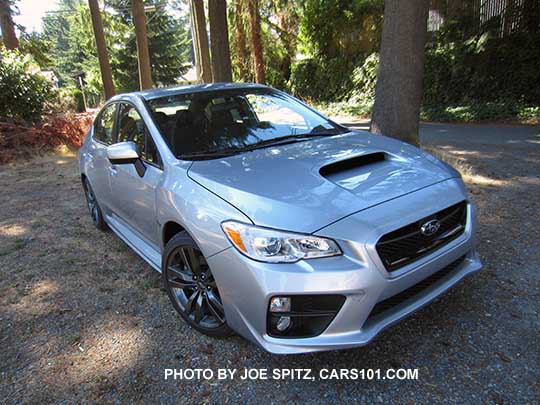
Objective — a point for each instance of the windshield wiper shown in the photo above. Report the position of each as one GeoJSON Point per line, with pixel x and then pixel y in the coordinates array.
{"type": "Point", "coordinates": [282, 140]}
{"type": "Point", "coordinates": [210, 155]}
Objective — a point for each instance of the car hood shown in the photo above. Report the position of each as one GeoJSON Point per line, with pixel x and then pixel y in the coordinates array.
{"type": "Point", "coordinates": [305, 186]}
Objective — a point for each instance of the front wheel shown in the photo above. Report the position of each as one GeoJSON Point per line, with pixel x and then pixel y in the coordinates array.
{"type": "Point", "coordinates": [192, 288]}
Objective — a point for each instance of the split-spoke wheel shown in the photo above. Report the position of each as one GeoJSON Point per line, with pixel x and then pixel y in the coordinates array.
{"type": "Point", "coordinates": [192, 286]}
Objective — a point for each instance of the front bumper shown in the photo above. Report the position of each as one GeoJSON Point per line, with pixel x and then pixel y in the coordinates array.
{"type": "Point", "coordinates": [246, 286]}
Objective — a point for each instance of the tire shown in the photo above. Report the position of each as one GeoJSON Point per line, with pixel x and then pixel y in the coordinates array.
{"type": "Point", "coordinates": [95, 211]}
{"type": "Point", "coordinates": [191, 287]}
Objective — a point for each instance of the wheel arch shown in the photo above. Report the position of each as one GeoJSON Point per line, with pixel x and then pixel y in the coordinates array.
{"type": "Point", "coordinates": [83, 178]}
{"type": "Point", "coordinates": [171, 228]}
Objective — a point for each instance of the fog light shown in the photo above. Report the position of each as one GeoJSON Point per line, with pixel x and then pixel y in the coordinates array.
{"type": "Point", "coordinates": [283, 323]}
{"type": "Point", "coordinates": [281, 304]}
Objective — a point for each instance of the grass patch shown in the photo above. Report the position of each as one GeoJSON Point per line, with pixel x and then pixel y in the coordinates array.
{"type": "Point", "coordinates": [18, 244]}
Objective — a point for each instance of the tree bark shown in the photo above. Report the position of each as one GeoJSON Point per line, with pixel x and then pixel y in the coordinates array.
{"type": "Point", "coordinates": [201, 41]}
{"type": "Point", "coordinates": [242, 51]}
{"type": "Point", "coordinates": [398, 93]}
{"type": "Point", "coordinates": [8, 28]}
{"type": "Point", "coordinates": [103, 56]}
{"type": "Point", "coordinates": [143, 56]}
{"type": "Point", "coordinates": [219, 41]}
{"type": "Point", "coordinates": [194, 41]}
{"type": "Point", "coordinates": [256, 41]}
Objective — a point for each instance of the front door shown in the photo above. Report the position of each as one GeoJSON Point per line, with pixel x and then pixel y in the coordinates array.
{"type": "Point", "coordinates": [133, 195]}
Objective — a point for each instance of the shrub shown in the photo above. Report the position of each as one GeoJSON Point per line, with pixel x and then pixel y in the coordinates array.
{"type": "Point", "coordinates": [483, 69]}
{"type": "Point", "coordinates": [18, 138]}
{"type": "Point", "coordinates": [79, 100]}
{"type": "Point", "coordinates": [481, 111]}
{"type": "Point", "coordinates": [364, 79]}
{"type": "Point", "coordinates": [321, 80]}
{"type": "Point", "coordinates": [23, 92]}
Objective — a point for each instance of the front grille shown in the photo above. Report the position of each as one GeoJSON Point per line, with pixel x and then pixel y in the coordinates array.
{"type": "Point", "coordinates": [405, 245]}
{"type": "Point", "coordinates": [411, 292]}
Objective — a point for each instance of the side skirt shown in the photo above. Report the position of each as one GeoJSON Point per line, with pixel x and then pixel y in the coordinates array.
{"type": "Point", "coordinates": [135, 242]}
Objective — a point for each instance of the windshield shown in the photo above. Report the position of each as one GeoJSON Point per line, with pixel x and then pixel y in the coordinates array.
{"type": "Point", "coordinates": [232, 121]}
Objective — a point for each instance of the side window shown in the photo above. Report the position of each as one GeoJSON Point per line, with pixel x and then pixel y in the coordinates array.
{"type": "Point", "coordinates": [104, 126]}
{"type": "Point", "coordinates": [131, 127]}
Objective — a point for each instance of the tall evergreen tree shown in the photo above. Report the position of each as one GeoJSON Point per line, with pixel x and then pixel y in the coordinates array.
{"type": "Point", "coordinates": [101, 45]}
{"type": "Point", "coordinates": [169, 45]}
{"type": "Point", "coordinates": [256, 40]}
{"type": "Point", "coordinates": [200, 40]}
{"type": "Point", "coordinates": [141, 38]}
{"type": "Point", "coordinates": [69, 36]}
{"type": "Point", "coordinates": [219, 41]}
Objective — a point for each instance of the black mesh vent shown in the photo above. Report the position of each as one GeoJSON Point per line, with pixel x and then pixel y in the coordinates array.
{"type": "Point", "coordinates": [410, 292]}
{"type": "Point", "coordinates": [405, 245]}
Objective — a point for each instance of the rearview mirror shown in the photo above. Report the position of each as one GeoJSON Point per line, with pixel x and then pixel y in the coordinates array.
{"type": "Point", "coordinates": [126, 153]}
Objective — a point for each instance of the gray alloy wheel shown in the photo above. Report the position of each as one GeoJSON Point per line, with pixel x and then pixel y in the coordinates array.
{"type": "Point", "coordinates": [93, 207]}
{"type": "Point", "coordinates": [192, 288]}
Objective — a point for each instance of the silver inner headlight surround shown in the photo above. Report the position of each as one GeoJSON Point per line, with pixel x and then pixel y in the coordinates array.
{"type": "Point", "coordinates": [274, 246]}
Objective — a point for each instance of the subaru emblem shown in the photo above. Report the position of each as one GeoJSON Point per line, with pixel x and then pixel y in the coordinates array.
{"type": "Point", "coordinates": [430, 228]}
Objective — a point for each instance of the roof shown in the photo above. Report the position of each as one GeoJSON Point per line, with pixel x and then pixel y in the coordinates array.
{"type": "Point", "coordinates": [195, 88]}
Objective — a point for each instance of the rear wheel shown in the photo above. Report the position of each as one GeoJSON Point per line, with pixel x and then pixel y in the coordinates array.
{"type": "Point", "coordinates": [93, 207]}
{"type": "Point", "coordinates": [192, 288]}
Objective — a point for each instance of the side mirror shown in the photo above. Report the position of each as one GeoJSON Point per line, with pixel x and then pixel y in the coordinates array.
{"type": "Point", "coordinates": [126, 153]}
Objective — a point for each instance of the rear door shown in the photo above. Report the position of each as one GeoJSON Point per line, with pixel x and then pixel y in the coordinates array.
{"type": "Point", "coordinates": [134, 196]}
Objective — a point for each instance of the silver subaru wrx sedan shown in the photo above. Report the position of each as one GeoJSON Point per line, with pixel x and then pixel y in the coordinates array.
{"type": "Point", "coordinates": [270, 220]}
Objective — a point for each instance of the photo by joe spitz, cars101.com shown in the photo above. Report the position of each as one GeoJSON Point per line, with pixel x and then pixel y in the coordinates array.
{"type": "Point", "coordinates": [269, 220]}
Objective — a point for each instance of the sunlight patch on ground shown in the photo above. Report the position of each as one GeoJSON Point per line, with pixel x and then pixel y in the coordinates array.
{"type": "Point", "coordinates": [483, 181]}
{"type": "Point", "coordinates": [13, 230]}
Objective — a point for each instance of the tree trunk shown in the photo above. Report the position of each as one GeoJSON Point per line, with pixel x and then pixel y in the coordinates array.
{"type": "Point", "coordinates": [256, 42]}
{"type": "Point", "coordinates": [6, 24]}
{"type": "Point", "coordinates": [143, 56]}
{"type": "Point", "coordinates": [200, 40]}
{"type": "Point", "coordinates": [103, 56]}
{"type": "Point", "coordinates": [195, 42]}
{"type": "Point", "coordinates": [241, 41]}
{"type": "Point", "coordinates": [219, 41]}
{"type": "Point", "coordinates": [398, 94]}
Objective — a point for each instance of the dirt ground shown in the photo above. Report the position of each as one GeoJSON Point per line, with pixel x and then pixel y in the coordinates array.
{"type": "Point", "coordinates": [82, 318]}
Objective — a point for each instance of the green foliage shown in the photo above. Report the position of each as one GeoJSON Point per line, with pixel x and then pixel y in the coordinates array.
{"type": "Point", "coordinates": [279, 34]}
{"type": "Point", "coordinates": [69, 35]}
{"type": "Point", "coordinates": [23, 92]}
{"type": "Point", "coordinates": [364, 79]}
{"type": "Point", "coordinates": [79, 100]}
{"type": "Point", "coordinates": [336, 80]}
{"type": "Point", "coordinates": [169, 44]}
{"type": "Point", "coordinates": [338, 35]}
{"type": "Point", "coordinates": [341, 28]}
{"type": "Point", "coordinates": [321, 80]}
{"type": "Point", "coordinates": [34, 44]}
{"type": "Point", "coordinates": [482, 111]}
{"type": "Point", "coordinates": [70, 39]}
{"type": "Point", "coordinates": [482, 69]}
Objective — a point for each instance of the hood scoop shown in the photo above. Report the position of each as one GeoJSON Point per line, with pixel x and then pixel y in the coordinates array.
{"type": "Point", "coordinates": [354, 163]}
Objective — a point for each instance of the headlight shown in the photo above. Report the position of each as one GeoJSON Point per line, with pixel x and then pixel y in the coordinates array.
{"type": "Point", "coordinates": [270, 245]}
